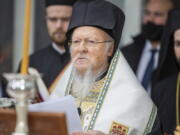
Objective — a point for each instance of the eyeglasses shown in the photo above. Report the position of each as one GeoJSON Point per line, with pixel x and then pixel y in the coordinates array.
{"type": "Point", "coordinates": [87, 43]}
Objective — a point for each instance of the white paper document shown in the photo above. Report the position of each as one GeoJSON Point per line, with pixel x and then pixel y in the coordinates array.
{"type": "Point", "coordinates": [63, 105]}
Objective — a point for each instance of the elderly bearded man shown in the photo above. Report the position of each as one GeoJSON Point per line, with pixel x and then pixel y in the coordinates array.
{"type": "Point", "coordinates": [108, 96]}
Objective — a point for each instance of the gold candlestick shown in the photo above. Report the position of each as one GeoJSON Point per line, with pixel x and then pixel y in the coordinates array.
{"type": "Point", "coordinates": [25, 59]}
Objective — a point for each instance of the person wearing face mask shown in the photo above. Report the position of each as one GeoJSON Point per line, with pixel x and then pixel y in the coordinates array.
{"type": "Point", "coordinates": [142, 55]}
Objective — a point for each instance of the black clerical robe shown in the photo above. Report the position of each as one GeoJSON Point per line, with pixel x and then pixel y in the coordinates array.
{"type": "Point", "coordinates": [49, 63]}
{"type": "Point", "coordinates": [165, 99]}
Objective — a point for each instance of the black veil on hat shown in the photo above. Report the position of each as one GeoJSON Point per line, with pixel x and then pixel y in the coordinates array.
{"type": "Point", "coordinates": [59, 2]}
{"type": "Point", "coordinates": [98, 13]}
{"type": "Point", "coordinates": [167, 60]}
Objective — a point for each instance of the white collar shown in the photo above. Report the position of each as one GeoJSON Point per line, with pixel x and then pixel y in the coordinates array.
{"type": "Point", "coordinates": [148, 46]}
{"type": "Point", "coordinates": [56, 48]}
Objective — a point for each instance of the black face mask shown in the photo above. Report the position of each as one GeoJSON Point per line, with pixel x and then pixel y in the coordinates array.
{"type": "Point", "coordinates": [152, 31]}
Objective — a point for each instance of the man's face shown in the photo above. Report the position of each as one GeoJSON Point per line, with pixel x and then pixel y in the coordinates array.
{"type": "Point", "coordinates": [177, 45]}
{"type": "Point", "coordinates": [156, 12]}
{"type": "Point", "coordinates": [86, 53]}
{"type": "Point", "coordinates": [57, 19]}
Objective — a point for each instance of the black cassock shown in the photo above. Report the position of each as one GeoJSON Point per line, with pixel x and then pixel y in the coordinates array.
{"type": "Point", "coordinates": [49, 63]}
{"type": "Point", "coordinates": [164, 94]}
{"type": "Point", "coordinates": [165, 99]}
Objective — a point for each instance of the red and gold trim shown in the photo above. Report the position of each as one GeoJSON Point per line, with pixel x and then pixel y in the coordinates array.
{"type": "Point", "coordinates": [118, 129]}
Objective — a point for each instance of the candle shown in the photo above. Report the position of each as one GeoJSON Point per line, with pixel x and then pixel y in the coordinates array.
{"type": "Point", "coordinates": [25, 59]}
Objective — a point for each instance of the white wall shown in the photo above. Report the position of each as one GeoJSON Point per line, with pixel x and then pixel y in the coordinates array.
{"type": "Point", "coordinates": [19, 13]}
{"type": "Point", "coordinates": [132, 10]}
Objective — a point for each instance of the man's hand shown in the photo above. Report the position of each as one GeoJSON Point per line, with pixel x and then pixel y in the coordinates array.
{"type": "Point", "coordinates": [92, 132]}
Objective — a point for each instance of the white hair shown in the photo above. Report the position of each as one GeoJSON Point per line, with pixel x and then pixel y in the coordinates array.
{"type": "Point", "coordinates": [108, 45]}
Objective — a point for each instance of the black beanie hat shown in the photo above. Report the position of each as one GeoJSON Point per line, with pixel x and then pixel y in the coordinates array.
{"type": "Point", "coordinates": [59, 2]}
{"type": "Point", "coordinates": [98, 13]}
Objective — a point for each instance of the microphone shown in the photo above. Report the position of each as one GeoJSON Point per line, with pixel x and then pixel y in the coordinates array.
{"type": "Point", "coordinates": [79, 111]}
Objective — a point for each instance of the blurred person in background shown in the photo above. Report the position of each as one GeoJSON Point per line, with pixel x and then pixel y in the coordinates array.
{"type": "Point", "coordinates": [166, 94]}
{"type": "Point", "coordinates": [51, 60]}
{"type": "Point", "coordinates": [142, 55]}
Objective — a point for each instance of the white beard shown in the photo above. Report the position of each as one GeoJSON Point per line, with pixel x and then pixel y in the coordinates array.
{"type": "Point", "coordinates": [82, 84]}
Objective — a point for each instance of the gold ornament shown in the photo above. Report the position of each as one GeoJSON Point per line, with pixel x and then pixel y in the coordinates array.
{"type": "Point", "coordinates": [177, 132]}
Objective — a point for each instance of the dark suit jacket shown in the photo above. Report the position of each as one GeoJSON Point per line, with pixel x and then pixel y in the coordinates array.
{"type": "Point", "coordinates": [49, 63]}
{"type": "Point", "coordinates": [133, 52]}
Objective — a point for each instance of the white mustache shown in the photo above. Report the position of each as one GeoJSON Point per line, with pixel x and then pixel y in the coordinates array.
{"type": "Point", "coordinates": [79, 56]}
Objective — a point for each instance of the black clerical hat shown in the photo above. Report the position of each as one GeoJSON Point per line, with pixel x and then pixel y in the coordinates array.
{"type": "Point", "coordinates": [59, 2]}
{"type": "Point", "coordinates": [167, 61]}
{"type": "Point", "coordinates": [98, 13]}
